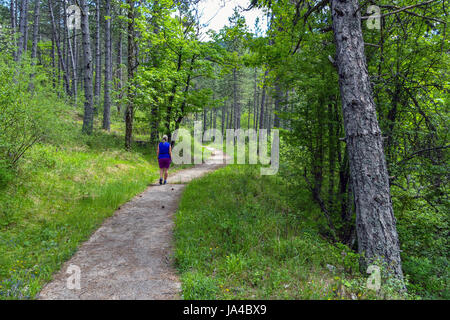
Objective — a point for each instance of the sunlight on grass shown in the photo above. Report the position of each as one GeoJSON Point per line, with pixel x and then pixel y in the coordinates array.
{"type": "Point", "coordinates": [61, 194]}
{"type": "Point", "coordinates": [238, 236]}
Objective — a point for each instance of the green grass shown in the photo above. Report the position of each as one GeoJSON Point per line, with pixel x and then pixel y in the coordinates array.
{"type": "Point", "coordinates": [237, 236]}
{"type": "Point", "coordinates": [61, 192]}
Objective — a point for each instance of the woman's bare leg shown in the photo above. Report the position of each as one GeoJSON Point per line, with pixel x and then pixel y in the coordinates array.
{"type": "Point", "coordinates": [161, 173]}
{"type": "Point", "coordinates": [166, 173]}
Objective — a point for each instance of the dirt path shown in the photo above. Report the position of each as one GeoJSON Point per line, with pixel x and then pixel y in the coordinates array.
{"type": "Point", "coordinates": [130, 255]}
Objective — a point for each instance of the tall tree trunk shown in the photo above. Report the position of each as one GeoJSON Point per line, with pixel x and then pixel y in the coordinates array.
{"type": "Point", "coordinates": [12, 9]}
{"type": "Point", "coordinates": [255, 100]}
{"type": "Point", "coordinates": [66, 42]}
{"type": "Point", "coordinates": [58, 47]}
{"type": "Point", "coordinates": [119, 67]}
{"type": "Point", "coordinates": [154, 123]}
{"type": "Point", "coordinates": [277, 108]}
{"type": "Point", "coordinates": [269, 113]}
{"type": "Point", "coordinates": [88, 119]}
{"type": "Point", "coordinates": [263, 100]}
{"type": "Point", "coordinates": [211, 113]}
{"type": "Point", "coordinates": [331, 156]}
{"type": "Point", "coordinates": [79, 65]}
{"type": "Point", "coordinates": [223, 118]}
{"type": "Point", "coordinates": [57, 20]}
{"type": "Point", "coordinates": [249, 110]}
{"type": "Point", "coordinates": [215, 119]}
{"type": "Point", "coordinates": [257, 110]}
{"type": "Point", "coordinates": [70, 58]}
{"type": "Point", "coordinates": [317, 160]}
{"type": "Point", "coordinates": [285, 109]}
{"type": "Point", "coordinates": [35, 38]}
{"type": "Point", "coordinates": [155, 116]}
{"type": "Point", "coordinates": [53, 61]}
{"type": "Point", "coordinates": [73, 60]}
{"type": "Point", "coordinates": [375, 221]}
{"type": "Point", "coordinates": [231, 122]}
{"type": "Point", "coordinates": [98, 62]}
{"type": "Point", "coordinates": [227, 115]}
{"type": "Point", "coordinates": [205, 115]}
{"type": "Point", "coordinates": [37, 5]}
{"type": "Point", "coordinates": [131, 65]}
{"type": "Point", "coordinates": [236, 103]}
{"type": "Point", "coordinates": [74, 90]}
{"type": "Point", "coordinates": [108, 68]}
{"type": "Point", "coordinates": [22, 28]}
{"type": "Point", "coordinates": [13, 13]}
{"type": "Point", "coordinates": [169, 115]}
{"type": "Point", "coordinates": [25, 35]}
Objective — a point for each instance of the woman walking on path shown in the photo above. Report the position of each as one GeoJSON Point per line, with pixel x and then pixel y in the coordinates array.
{"type": "Point", "coordinates": [164, 154]}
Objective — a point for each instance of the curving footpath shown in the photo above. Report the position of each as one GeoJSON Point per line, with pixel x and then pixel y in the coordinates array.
{"type": "Point", "coordinates": [131, 255]}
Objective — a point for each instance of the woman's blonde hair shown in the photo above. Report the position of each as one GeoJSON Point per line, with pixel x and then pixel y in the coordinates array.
{"type": "Point", "coordinates": [165, 138]}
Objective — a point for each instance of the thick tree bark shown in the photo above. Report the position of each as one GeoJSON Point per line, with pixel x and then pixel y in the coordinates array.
{"type": "Point", "coordinates": [131, 64]}
{"type": "Point", "coordinates": [108, 68]}
{"type": "Point", "coordinates": [375, 221]}
{"type": "Point", "coordinates": [88, 119]}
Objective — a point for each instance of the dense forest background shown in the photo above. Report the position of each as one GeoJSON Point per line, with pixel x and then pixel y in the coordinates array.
{"type": "Point", "coordinates": [135, 70]}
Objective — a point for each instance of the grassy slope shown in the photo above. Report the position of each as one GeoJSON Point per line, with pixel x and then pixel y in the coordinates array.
{"type": "Point", "coordinates": [61, 193]}
{"type": "Point", "coordinates": [237, 237]}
